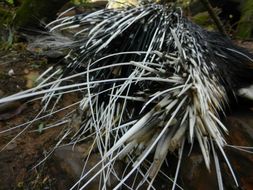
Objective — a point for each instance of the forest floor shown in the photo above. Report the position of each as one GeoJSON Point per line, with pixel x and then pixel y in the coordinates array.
{"type": "Point", "coordinates": [19, 69]}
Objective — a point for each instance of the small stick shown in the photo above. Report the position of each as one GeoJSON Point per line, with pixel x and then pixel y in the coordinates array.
{"type": "Point", "coordinates": [215, 18]}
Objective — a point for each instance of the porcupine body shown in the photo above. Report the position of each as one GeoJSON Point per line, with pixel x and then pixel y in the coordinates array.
{"type": "Point", "coordinates": [151, 82]}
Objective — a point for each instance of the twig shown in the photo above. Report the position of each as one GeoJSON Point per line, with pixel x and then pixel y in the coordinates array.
{"type": "Point", "coordinates": [215, 18]}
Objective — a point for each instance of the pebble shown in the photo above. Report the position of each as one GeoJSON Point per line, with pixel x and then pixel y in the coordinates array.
{"type": "Point", "coordinates": [11, 72]}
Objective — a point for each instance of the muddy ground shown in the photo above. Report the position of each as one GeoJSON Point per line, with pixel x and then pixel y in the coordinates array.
{"type": "Point", "coordinates": [18, 70]}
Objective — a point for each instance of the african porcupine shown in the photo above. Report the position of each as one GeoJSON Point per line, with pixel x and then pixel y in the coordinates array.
{"type": "Point", "coordinates": [151, 81]}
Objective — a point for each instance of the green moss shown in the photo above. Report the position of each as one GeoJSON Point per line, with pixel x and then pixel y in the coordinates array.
{"type": "Point", "coordinates": [80, 2]}
{"type": "Point", "coordinates": [245, 25]}
{"type": "Point", "coordinates": [203, 19]}
{"type": "Point", "coordinates": [11, 2]}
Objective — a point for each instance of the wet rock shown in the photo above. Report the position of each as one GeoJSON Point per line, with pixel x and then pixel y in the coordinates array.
{"type": "Point", "coordinates": [241, 134]}
{"type": "Point", "coordinates": [194, 174]}
{"type": "Point", "coordinates": [11, 109]}
{"type": "Point", "coordinates": [68, 164]}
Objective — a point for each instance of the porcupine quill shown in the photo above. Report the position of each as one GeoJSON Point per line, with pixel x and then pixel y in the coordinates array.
{"type": "Point", "coordinates": [151, 82]}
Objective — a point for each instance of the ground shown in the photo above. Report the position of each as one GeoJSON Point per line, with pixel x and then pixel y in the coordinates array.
{"type": "Point", "coordinates": [18, 70]}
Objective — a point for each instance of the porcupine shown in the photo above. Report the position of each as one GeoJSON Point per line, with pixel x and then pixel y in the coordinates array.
{"type": "Point", "coordinates": [151, 82]}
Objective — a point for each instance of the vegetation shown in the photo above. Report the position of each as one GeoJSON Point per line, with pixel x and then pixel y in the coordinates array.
{"type": "Point", "coordinates": [36, 13]}
{"type": "Point", "coordinates": [245, 25]}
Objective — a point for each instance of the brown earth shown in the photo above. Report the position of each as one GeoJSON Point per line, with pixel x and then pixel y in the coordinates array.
{"type": "Point", "coordinates": [18, 71]}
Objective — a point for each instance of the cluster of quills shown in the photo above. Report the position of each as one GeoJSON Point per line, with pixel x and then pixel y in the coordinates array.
{"type": "Point", "coordinates": [150, 82]}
